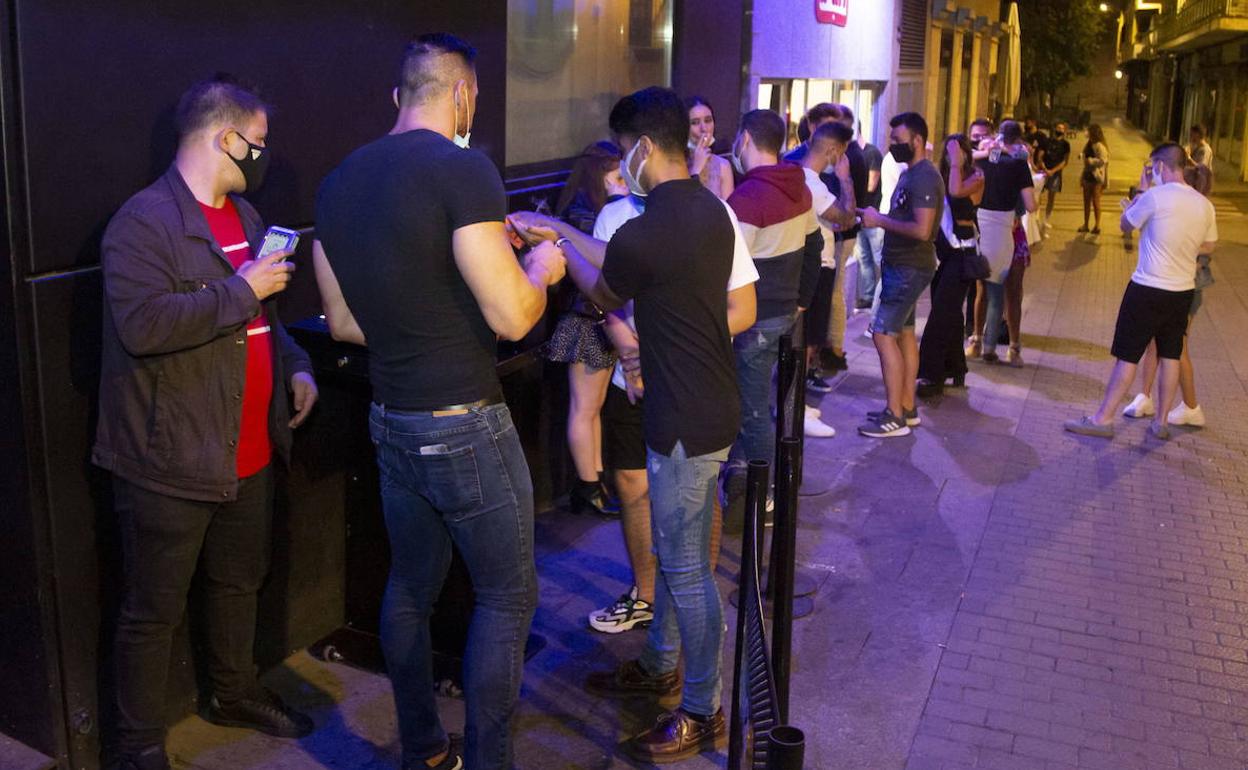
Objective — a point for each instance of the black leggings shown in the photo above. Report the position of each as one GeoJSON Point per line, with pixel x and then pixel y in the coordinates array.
{"type": "Point", "coordinates": [940, 351]}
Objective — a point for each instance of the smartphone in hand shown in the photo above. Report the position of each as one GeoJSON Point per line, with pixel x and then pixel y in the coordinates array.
{"type": "Point", "coordinates": [278, 239]}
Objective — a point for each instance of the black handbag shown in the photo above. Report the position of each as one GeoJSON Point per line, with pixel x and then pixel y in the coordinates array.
{"type": "Point", "coordinates": [974, 265]}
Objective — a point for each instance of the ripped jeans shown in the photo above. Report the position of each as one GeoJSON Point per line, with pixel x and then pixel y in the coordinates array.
{"type": "Point", "coordinates": [687, 609]}
{"type": "Point", "coordinates": [757, 349]}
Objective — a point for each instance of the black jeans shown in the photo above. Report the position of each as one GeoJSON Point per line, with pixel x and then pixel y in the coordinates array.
{"type": "Point", "coordinates": [163, 540]}
{"type": "Point", "coordinates": [940, 351]}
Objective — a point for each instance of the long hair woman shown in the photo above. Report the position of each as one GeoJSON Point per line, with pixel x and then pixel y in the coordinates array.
{"type": "Point", "coordinates": [714, 172]}
{"type": "Point", "coordinates": [1095, 175]}
{"type": "Point", "coordinates": [578, 339]}
{"type": "Point", "coordinates": [940, 354]}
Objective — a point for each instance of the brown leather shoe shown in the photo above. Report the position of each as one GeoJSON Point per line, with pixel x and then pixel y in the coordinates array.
{"type": "Point", "coordinates": [678, 736]}
{"type": "Point", "coordinates": [628, 680]}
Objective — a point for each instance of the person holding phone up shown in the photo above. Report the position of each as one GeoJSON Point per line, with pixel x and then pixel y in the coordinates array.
{"type": "Point", "coordinates": [195, 377]}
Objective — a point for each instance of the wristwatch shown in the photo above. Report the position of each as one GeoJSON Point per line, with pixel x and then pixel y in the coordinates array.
{"type": "Point", "coordinates": [560, 241]}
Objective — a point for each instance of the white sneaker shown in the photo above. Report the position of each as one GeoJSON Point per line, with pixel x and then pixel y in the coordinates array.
{"type": "Point", "coordinates": [1140, 406]}
{"type": "Point", "coordinates": [1182, 414]}
{"type": "Point", "coordinates": [815, 428]}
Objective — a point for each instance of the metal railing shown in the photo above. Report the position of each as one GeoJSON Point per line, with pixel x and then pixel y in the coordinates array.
{"type": "Point", "coordinates": [760, 693]}
{"type": "Point", "coordinates": [1195, 16]}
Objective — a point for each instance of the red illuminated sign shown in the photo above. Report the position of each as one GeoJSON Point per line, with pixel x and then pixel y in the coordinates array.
{"type": "Point", "coordinates": [832, 12]}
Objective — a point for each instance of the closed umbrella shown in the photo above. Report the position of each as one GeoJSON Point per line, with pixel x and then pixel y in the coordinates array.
{"type": "Point", "coordinates": [1014, 62]}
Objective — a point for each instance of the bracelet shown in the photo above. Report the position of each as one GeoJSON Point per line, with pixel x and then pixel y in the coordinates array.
{"type": "Point", "coordinates": [560, 241]}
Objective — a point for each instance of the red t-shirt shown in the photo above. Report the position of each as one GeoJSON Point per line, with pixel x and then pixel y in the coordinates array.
{"type": "Point", "coordinates": [255, 448]}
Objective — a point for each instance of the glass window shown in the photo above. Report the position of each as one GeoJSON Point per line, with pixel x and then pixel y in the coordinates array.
{"type": "Point", "coordinates": [568, 61]}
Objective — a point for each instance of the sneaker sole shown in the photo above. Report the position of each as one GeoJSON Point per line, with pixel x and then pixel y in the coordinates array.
{"type": "Point", "coordinates": [902, 431]}
{"type": "Point", "coordinates": [1138, 415]}
{"type": "Point", "coordinates": [619, 628]}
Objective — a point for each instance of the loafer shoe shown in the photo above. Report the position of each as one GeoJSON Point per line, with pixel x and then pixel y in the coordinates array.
{"type": "Point", "coordinates": [677, 736]}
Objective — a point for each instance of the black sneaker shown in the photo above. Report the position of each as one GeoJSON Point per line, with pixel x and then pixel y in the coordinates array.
{"type": "Point", "coordinates": [628, 612]}
{"type": "Point", "coordinates": [588, 498]}
{"type": "Point", "coordinates": [150, 758]}
{"type": "Point", "coordinates": [263, 711]}
{"type": "Point", "coordinates": [912, 416]}
{"type": "Point", "coordinates": [816, 383]}
{"type": "Point", "coordinates": [887, 425]}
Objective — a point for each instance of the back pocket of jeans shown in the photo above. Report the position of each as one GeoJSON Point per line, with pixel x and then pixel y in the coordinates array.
{"type": "Point", "coordinates": [448, 479]}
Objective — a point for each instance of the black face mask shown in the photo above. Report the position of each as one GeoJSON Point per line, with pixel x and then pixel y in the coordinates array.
{"type": "Point", "coordinates": [902, 153]}
{"type": "Point", "coordinates": [1059, 134]}
{"type": "Point", "coordinates": [254, 164]}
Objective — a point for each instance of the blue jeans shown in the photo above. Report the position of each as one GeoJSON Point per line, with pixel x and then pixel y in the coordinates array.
{"type": "Point", "coordinates": [992, 315]}
{"type": "Point", "coordinates": [687, 609]}
{"type": "Point", "coordinates": [757, 349]}
{"type": "Point", "coordinates": [458, 479]}
{"type": "Point", "coordinates": [902, 285]}
{"type": "Point", "coordinates": [867, 250]}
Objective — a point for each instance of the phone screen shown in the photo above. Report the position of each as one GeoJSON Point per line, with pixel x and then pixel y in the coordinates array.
{"type": "Point", "coordinates": [272, 242]}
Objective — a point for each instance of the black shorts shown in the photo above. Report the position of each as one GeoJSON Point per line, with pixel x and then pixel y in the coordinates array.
{"type": "Point", "coordinates": [623, 441]}
{"type": "Point", "coordinates": [820, 311]}
{"type": "Point", "coordinates": [1148, 314]}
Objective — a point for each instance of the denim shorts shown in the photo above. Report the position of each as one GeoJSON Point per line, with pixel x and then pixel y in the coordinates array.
{"type": "Point", "coordinates": [901, 287]}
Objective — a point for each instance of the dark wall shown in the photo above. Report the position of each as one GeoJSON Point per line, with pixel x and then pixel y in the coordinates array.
{"type": "Point", "coordinates": [86, 97]}
{"type": "Point", "coordinates": [707, 58]}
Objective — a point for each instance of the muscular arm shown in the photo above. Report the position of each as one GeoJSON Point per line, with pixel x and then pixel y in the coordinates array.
{"type": "Point", "coordinates": [511, 299]}
{"type": "Point", "coordinates": [342, 323]}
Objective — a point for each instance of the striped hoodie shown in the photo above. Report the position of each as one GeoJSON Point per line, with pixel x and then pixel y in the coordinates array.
{"type": "Point", "coordinates": [779, 225]}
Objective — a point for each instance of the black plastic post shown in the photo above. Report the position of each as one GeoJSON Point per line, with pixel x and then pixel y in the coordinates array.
{"type": "Point", "coordinates": [784, 554]}
{"type": "Point", "coordinates": [747, 590]}
{"type": "Point", "coordinates": [786, 748]}
{"type": "Point", "coordinates": [786, 366]}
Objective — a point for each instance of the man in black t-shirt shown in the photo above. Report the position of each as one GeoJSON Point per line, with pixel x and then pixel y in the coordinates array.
{"type": "Point", "coordinates": [413, 260]}
{"type": "Point", "coordinates": [1056, 156]}
{"type": "Point", "coordinates": [673, 261]}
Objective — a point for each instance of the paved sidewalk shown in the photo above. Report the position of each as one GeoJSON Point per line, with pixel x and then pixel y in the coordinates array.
{"type": "Point", "coordinates": [993, 592]}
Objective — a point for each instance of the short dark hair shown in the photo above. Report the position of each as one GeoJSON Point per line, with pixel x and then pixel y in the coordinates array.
{"type": "Point", "coordinates": [433, 63]}
{"type": "Point", "coordinates": [1011, 132]}
{"type": "Point", "coordinates": [217, 100]}
{"type": "Point", "coordinates": [654, 112]}
{"type": "Point", "coordinates": [766, 128]}
{"type": "Point", "coordinates": [833, 131]}
{"type": "Point", "coordinates": [803, 130]}
{"type": "Point", "coordinates": [846, 114]}
{"type": "Point", "coordinates": [1197, 128]}
{"type": "Point", "coordinates": [912, 121]}
{"type": "Point", "coordinates": [823, 111]}
{"type": "Point", "coordinates": [985, 122]}
{"type": "Point", "coordinates": [1172, 154]}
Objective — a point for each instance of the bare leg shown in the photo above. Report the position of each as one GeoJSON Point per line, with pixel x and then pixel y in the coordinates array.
{"type": "Point", "coordinates": [981, 308]}
{"type": "Point", "coordinates": [1119, 382]}
{"type": "Point", "coordinates": [1167, 385]}
{"type": "Point", "coordinates": [1087, 205]}
{"type": "Point", "coordinates": [1014, 303]}
{"type": "Point", "coordinates": [910, 358]}
{"type": "Point", "coordinates": [588, 390]}
{"type": "Point", "coordinates": [1049, 198]}
{"type": "Point", "coordinates": [1096, 203]}
{"type": "Point", "coordinates": [634, 489]}
{"type": "Point", "coordinates": [893, 366]}
{"type": "Point", "coordinates": [1187, 378]}
{"type": "Point", "coordinates": [1148, 368]}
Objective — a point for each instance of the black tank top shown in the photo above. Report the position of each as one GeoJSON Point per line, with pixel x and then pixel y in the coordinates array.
{"type": "Point", "coordinates": [962, 210]}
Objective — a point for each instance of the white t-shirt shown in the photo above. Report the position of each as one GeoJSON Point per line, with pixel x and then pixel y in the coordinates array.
{"type": "Point", "coordinates": [823, 199]}
{"type": "Point", "coordinates": [890, 174]}
{"type": "Point", "coordinates": [1174, 220]}
{"type": "Point", "coordinates": [616, 213]}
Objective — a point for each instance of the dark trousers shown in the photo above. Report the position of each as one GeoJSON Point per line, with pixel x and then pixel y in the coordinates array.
{"type": "Point", "coordinates": [164, 539]}
{"type": "Point", "coordinates": [940, 351]}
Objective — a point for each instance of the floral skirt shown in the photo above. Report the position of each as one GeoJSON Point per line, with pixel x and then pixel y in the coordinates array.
{"type": "Point", "coordinates": [579, 339]}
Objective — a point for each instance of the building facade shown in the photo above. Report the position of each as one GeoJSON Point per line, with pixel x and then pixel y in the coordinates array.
{"type": "Point", "coordinates": [940, 58]}
{"type": "Point", "coordinates": [1186, 64]}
